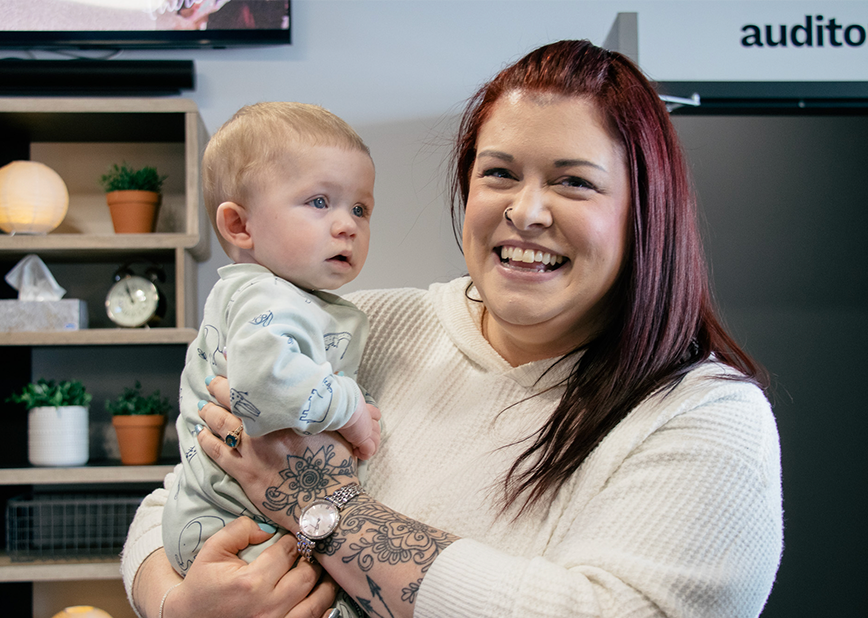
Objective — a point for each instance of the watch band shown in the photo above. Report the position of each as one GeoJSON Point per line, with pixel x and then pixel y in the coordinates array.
{"type": "Point", "coordinates": [339, 498]}
{"type": "Point", "coordinates": [305, 547]}
{"type": "Point", "coordinates": [344, 494]}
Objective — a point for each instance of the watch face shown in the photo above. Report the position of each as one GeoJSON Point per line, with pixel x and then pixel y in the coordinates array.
{"type": "Point", "coordinates": [319, 519]}
{"type": "Point", "coordinates": [132, 301]}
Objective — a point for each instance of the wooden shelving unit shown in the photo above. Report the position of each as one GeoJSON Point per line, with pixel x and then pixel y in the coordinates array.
{"type": "Point", "coordinates": [80, 138]}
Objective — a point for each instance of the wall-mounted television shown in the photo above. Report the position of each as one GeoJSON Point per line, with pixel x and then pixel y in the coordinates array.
{"type": "Point", "coordinates": [142, 24]}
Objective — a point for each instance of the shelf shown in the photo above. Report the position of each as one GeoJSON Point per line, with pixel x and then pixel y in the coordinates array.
{"type": "Point", "coordinates": [80, 137]}
{"type": "Point", "coordinates": [114, 105]}
{"type": "Point", "coordinates": [95, 244]}
{"type": "Point", "coordinates": [111, 472]}
{"type": "Point", "coordinates": [82, 568]}
{"type": "Point", "coordinates": [101, 336]}
{"type": "Point", "coordinates": [58, 570]}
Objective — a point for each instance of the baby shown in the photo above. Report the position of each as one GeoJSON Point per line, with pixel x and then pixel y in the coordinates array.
{"type": "Point", "coordinates": [289, 188]}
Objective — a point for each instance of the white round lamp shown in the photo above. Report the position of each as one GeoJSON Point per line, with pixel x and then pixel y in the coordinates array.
{"type": "Point", "coordinates": [33, 198]}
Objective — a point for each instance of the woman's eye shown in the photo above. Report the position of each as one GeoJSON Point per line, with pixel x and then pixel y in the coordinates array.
{"type": "Point", "coordinates": [497, 172]}
{"type": "Point", "coordinates": [359, 210]}
{"type": "Point", "coordinates": [575, 182]}
{"type": "Point", "coordinates": [318, 202]}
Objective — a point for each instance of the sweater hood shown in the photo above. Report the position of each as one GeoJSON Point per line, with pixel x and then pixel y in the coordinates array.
{"type": "Point", "coordinates": [461, 318]}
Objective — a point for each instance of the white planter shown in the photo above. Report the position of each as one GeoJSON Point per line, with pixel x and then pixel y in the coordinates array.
{"type": "Point", "coordinates": [57, 436]}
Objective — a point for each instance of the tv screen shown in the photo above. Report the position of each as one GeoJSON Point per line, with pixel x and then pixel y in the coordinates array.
{"type": "Point", "coordinates": [136, 24]}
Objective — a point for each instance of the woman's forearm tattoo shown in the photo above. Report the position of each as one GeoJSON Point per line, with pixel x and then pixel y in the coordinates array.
{"type": "Point", "coordinates": [306, 478]}
{"type": "Point", "coordinates": [378, 535]}
{"type": "Point", "coordinates": [374, 534]}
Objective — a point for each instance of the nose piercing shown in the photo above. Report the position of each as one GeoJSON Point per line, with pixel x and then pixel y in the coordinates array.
{"type": "Point", "coordinates": [506, 214]}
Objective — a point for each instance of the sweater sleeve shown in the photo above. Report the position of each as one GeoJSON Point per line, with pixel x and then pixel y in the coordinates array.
{"type": "Point", "coordinates": [273, 339]}
{"type": "Point", "coordinates": [686, 521]}
{"type": "Point", "coordinates": [145, 535]}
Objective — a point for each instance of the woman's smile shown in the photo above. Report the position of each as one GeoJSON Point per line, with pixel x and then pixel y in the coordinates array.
{"type": "Point", "coordinates": [538, 260]}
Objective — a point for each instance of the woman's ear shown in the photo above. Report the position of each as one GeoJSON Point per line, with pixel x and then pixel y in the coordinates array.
{"type": "Point", "coordinates": [232, 224]}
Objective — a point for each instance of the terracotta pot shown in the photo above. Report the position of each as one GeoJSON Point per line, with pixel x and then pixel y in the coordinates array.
{"type": "Point", "coordinates": [133, 212]}
{"type": "Point", "coordinates": [140, 437]}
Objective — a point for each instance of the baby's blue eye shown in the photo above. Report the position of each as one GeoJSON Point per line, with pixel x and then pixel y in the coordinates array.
{"type": "Point", "coordinates": [318, 202]}
{"type": "Point", "coordinates": [359, 210]}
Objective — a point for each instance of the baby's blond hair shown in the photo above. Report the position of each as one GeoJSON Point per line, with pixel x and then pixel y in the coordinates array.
{"type": "Point", "coordinates": [248, 147]}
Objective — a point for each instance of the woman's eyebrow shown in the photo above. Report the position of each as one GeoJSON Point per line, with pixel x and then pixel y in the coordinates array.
{"type": "Point", "coordinates": [559, 163]}
{"type": "Point", "coordinates": [578, 163]}
{"type": "Point", "coordinates": [497, 154]}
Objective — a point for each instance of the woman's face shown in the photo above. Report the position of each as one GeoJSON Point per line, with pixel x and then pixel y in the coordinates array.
{"type": "Point", "coordinates": [544, 276]}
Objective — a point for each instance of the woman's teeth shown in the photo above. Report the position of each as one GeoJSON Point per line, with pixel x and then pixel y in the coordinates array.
{"type": "Point", "coordinates": [529, 257]}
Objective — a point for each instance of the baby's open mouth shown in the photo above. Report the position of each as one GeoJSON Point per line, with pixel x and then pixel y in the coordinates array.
{"type": "Point", "coordinates": [340, 258]}
{"type": "Point", "coordinates": [526, 258]}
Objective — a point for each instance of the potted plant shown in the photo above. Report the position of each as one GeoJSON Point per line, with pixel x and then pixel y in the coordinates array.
{"type": "Point", "coordinates": [139, 421]}
{"type": "Point", "coordinates": [133, 197]}
{"type": "Point", "coordinates": [57, 427]}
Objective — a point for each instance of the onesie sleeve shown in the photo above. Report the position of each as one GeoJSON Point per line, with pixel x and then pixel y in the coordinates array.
{"type": "Point", "coordinates": [687, 523]}
{"type": "Point", "coordinates": [278, 374]}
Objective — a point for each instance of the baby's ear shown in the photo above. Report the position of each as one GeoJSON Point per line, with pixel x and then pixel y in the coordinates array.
{"type": "Point", "coordinates": [232, 224]}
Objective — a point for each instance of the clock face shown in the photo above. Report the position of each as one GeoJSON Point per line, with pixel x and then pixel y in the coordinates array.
{"type": "Point", "coordinates": [132, 301]}
{"type": "Point", "coordinates": [319, 520]}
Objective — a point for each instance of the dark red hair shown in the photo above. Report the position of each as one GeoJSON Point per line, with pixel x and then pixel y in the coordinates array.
{"type": "Point", "coordinates": [662, 318]}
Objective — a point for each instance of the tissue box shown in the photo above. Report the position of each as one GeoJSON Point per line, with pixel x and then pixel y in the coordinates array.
{"type": "Point", "coordinates": [33, 315]}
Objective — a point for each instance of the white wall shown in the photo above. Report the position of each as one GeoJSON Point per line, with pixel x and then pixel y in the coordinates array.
{"type": "Point", "coordinates": [399, 70]}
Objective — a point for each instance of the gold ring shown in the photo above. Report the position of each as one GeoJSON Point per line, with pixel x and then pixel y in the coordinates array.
{"type": "Point", "coordinates": [233, 438]}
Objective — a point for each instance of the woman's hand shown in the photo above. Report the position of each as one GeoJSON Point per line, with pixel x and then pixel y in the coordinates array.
{"type": "Point", "coordinates": [281, 471]}
{"type": "Point", "coordinates": [221, 583]}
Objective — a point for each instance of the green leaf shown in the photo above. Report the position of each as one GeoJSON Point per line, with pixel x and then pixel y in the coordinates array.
{"type": "Point", "coordinates": [132, 401]}
{"type": "Point", "coordinates": [123, 178]}
{"type": "Point", "coordinates": [52, 394]}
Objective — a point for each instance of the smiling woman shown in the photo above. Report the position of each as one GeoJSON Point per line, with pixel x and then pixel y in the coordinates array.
{"type": "Point", "coordinates": [569, 430]}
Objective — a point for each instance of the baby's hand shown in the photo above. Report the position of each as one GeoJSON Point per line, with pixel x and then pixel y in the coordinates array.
{"type": "Point", "coordinates": [363, 431]}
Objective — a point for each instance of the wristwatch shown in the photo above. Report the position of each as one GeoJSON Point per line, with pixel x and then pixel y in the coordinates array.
{"type": "Point", "coordinates": [320, 519]}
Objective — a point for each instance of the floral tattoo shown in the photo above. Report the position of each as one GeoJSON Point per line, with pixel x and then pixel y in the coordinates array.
{"type": "Point", "coordinates": [382, 536]}
{"type": "Point", "coordinates": [370, 534]}
{"type": "Point", "coordinates": [305, 479]}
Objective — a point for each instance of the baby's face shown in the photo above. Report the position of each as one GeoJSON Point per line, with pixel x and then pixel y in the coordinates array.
{"type": "Point", "coordinates": [312, 226]}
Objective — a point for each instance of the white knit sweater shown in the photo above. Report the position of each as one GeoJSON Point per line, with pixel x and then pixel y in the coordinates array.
{"type": "Point", "coordinates": [676, 513]}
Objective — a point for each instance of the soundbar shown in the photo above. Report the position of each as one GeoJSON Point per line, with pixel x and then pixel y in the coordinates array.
{"type": "Point", "coordinates": [26, 77]}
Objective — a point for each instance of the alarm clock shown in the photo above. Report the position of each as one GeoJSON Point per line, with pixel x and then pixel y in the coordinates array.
{"type": "Point", "coordinates": [134, 300]}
